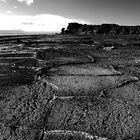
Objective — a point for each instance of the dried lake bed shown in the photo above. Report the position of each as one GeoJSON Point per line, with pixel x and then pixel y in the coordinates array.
{"type": "Point", "coordinates": [69, 87]}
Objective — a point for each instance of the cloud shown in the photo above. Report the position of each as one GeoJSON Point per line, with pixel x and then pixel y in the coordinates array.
{"type": "Point", "coordinates": [3, 1]}
{"type": "Point", "coordinates": [28, 2]}
{"type": "Point", "coordinates": [9, 12]}
{"type": "Point", "coordinates": [45, 22]}
{"type": "Point", "coordinates": [27, 23]}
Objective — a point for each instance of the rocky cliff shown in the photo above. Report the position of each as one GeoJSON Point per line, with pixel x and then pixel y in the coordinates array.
{"type": "Point", "coordinates": [106, 29]}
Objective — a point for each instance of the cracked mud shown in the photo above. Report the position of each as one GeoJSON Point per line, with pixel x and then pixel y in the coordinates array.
{"type": "Point", "coordinates": [69, 87]}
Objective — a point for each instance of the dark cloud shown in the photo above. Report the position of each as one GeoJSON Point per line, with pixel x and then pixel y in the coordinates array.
{"type": "Point", "coordinates": [94, 11]}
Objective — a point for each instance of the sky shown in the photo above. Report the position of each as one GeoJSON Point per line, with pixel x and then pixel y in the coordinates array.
{"type": "Point", "coordinates": [52, 15]}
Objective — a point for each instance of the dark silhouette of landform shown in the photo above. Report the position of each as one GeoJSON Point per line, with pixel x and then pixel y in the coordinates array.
{"type": "Point", "coordinates": [104, 29]}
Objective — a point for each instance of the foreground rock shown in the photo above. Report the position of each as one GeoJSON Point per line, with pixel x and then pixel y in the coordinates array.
{"type": "Point", "coordinates": [77, 89]}
{"type": "Point", "coordinates": [102, 111]}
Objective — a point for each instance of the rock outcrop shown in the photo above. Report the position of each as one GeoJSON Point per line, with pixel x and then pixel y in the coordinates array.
{"type": "Point", "coordinates": [70, 87]}
{"type": "Point", "coordinates": [106, 29]}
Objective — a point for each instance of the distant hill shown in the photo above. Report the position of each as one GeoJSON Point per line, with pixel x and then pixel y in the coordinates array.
{"type": "Point", "coordinates": [105, 29]}
{"type": "Point", "coordinates": [14, 32]}
{"type": "Point", "coordinates": [20, 32]}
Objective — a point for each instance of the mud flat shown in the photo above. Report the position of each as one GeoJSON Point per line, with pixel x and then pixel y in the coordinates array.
{"type": "Point", "coordinates": [55, 88]}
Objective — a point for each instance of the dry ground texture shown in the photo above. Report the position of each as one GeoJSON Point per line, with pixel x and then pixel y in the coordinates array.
{"type": "Point", "coordinates": [66, 87]}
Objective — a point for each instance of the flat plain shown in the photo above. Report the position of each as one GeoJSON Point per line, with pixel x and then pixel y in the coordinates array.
{"type": "Point", "coordinates": [69, 87]}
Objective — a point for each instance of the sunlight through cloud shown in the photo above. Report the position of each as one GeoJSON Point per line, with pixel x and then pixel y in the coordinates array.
{"type": "Point", "coordinates": [9, 12]}
{"type": "Point", "coordinates": [37, 23]}
{"type": "Point", "coordinates": [3, 1]}
{"type": "Point", "coordinates": [28, 2]}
